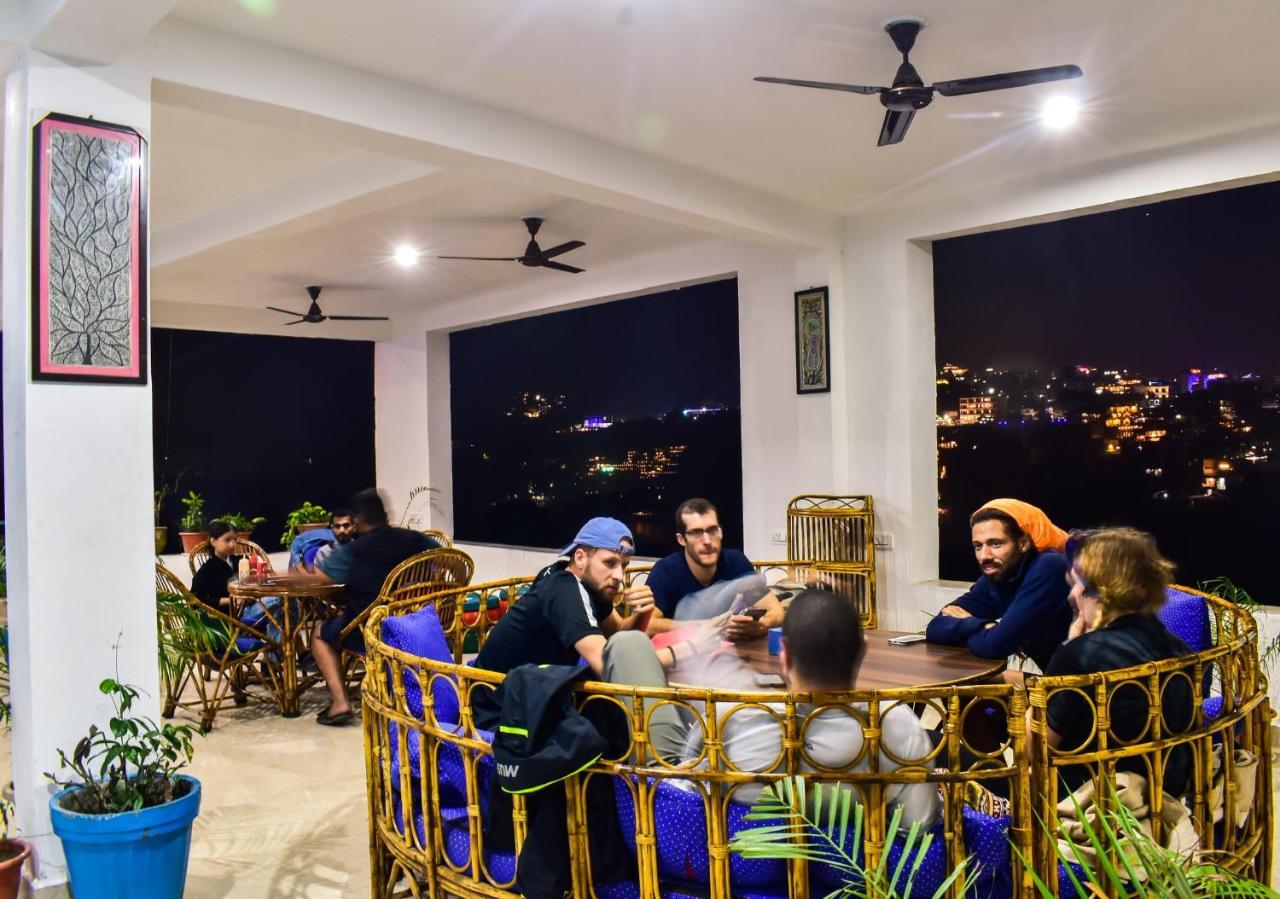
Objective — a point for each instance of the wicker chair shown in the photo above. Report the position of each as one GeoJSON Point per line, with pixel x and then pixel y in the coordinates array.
{"type": "Point", "coordinates": [838, 533]}
{"type": "Point", "coordinates": [201, 553]}
{"type": "Point", "coordinates": [418, 576]}
{"type": "Point", "coordinates": [230, 656]}
{"type": "Point", "coordinates": [439, 537]}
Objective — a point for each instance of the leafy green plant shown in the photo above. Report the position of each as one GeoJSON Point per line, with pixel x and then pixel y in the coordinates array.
{"type": "Point", "coordinates": [816, 820]}
{"type": "Point", "coordinates": [8, 848]}
{"type": "Point", "coordinates": [193, 518]}
{"type": "Point", "coordinates": [1143, 867]}
{"type": "Point", "coordinates": [183, 634]}
{"type": "Point", "coordinates": [307, 513]}
{"type": "Point", "coordinates": [242, 523]}
{"type": "Point", "coordinates": [130, 766]}
{"type": "Point", "coordinates": [1225, 588]}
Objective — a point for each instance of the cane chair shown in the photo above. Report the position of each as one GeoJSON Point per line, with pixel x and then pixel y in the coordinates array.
{"type": "Point", "coordinates": [427, 572]}
{"type": "Point", "coordinates": [439, 537]}
{"type": "Point", "coordinates": [224, 645]}
{"type": "Point", "coordinates": [838, 533]}
{"type": "Point", "coordinates": [244, 548]}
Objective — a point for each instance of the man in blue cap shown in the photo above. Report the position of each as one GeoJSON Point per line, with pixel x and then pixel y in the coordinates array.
{"type": "Point", "coordinates": [568, 613]}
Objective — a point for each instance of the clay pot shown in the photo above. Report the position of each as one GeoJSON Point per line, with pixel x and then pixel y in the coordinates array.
{"type": "Point", "coordinates": [162, 537]}
{"type": "Point", "coordinates": [192, 539]}
{"type": "Point", "coordinates": [313, 526]}
{"type": "Point", "coordinates": [11, 868]}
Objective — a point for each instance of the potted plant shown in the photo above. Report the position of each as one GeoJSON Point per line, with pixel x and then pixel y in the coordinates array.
{"type": "Point", "coordinates": [125, 816]}
{"type": "Point", "coordinates": [192, 523]}
{"type": "Point", "coordinates": [13, 853]}
{"type": "Point", "coordinates": [306, 517]}
{"type": "Point", "coordinates": [162, 532]}
{"type": "Point", "coordinates": [243, 524]}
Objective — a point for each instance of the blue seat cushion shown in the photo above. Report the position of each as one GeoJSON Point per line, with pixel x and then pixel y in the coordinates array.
{"type": "Point", "coordinates": [1186, 615]}
{"type": "Point", "coordinates": [420, 634]}
{"type": "Point", "coordinates": [455, 826]}
{"type": "Point", "coordinates": [452, 780]}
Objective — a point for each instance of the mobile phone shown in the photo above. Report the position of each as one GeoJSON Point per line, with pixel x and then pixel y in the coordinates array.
{"type": "Point", "coordinates": [754, 614]}
{"type": "Point", "coordinates": [769, 680]}
{"type": "Point", "coordinates": [907, 639]}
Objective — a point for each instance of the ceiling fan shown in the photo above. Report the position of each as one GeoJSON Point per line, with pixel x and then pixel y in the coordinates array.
{"type": "Point", "coordinates": [314, 316]}
{"type": "Point", "coordinates": [909, 93]}
{"type": "Point", "coordinates": [534, 256]}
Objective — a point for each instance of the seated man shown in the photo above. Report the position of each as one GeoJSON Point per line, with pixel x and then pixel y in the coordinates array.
{"type": "Point", "coordinates": [700, 562]}
{"type": "Point", "coordinates": [362, 565]}
{"type": "Point", "coordinates": [1020, 602]}
{"type": "Point", "coordinates": [343, 527]}
{"type": "Point", "coordinates": [822, 649]}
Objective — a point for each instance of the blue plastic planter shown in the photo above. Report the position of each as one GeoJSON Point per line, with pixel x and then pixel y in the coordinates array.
{"type": "Point", "coordinates": [129, 855]}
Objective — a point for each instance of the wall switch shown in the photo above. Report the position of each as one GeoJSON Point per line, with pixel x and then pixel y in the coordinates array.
{"type": "Point", "coordinates": [884, 541]}
{"type": "Point", "coordinates": [778, 537]}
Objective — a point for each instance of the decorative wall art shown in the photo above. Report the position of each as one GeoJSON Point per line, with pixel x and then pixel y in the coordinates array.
{"type": "Point", "coordinates": [813, 341]}
{"type": "Point", "coordinates": [89, 267]}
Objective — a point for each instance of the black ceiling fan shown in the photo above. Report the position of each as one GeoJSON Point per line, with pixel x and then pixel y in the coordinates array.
{"type": "Point", "coordinates": [534, 256]}
{"type": "Point", "coordinates": [909, 93]}
{"type": "Point", "coordinates": [314, 316]}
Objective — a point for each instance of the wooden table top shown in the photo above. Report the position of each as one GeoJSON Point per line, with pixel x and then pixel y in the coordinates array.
{"type": "Point", "coordinates": [887, 667]}
{"type": "Point", "coordinates": [251, 590]}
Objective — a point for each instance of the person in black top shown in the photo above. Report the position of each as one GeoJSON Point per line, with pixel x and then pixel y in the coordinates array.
{"type": "Point", "coordinates": [1118, 580]}
{"type": "Point", "coordinates": [362, 565]}
{"type": "Point", "coordinates": [209, 585]}
{"type": "Point", "coordinates": [568, 614]}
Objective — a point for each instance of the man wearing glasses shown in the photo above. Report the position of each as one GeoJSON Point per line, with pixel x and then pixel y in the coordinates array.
{"type": "Point", "coordinates": [700, 562]}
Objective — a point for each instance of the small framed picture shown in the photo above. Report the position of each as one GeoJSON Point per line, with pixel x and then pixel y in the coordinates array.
{"type": "Point", "coordinates": [813, 341]}
{"type": "Point", "coordinates": [89, 240]}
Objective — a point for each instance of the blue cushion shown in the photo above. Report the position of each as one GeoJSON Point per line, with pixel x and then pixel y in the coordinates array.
{"type": "Point", "coordinates": [420, 634]}
{"type": "Point", "coordinates": [1186, 615]}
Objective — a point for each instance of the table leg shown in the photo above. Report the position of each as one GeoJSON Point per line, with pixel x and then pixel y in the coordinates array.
{"type": "Point", "coordinates": [288, 662]}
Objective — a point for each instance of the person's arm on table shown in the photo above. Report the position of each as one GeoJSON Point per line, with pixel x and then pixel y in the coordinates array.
{"type": "Point", "coordinates": [1032, 605]}
{"type": "Point", "coordinates": [958, 621]}
{"type": "Point", "coordinates": [742, 628]}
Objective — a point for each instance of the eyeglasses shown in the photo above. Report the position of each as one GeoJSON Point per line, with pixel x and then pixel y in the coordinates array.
{"type": "Point", "coordinates": [698, 533]}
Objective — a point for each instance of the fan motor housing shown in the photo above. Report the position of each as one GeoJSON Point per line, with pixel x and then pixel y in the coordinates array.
{"type": "Point", "coordinates": [906, 99]}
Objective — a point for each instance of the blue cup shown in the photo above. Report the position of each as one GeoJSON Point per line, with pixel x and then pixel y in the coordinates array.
{"type": "Point", "coordinates": [775, 640]}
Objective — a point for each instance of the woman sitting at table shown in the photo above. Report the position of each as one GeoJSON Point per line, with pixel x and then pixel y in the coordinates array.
{"type": "Point", "coordinates": [1118, 580]}
{"type": "Point", "coordinates": [210, 583]}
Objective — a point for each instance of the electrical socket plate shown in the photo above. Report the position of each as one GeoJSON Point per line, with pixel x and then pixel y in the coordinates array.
{"type": "Point", "coordinates": [884, 541]}
{"type": "Point", "coordinates": [778, 537]}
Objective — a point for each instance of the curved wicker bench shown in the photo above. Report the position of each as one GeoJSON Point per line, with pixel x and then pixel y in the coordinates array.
{"type": "Point", "coordinates": [430, 769]}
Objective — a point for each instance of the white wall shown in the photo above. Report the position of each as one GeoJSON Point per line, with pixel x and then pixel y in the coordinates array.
{"type": "Point", "coordinates": [787, 440]}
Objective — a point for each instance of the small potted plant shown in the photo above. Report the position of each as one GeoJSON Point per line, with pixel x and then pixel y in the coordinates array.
{"type": "Point", "coordinates": [162, 532]}
{"type": "Point", "coordinates": [306, 517]}
{"type": "Point", "coordinates": [193, 522]}
{"type": "Point", "coordinates": [13, 853]}
{"type": "Point", "coordinates": [243, 524]}
{"type": "Point", "coordinates": [125, 815]}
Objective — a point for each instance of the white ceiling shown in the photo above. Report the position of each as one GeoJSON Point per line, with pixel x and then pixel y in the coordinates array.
{"type": "Point", "coordinates": [673, 77]}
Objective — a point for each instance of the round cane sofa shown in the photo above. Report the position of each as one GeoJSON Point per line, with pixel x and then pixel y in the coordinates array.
{"type": "Point", "coordinates": [430, 770]}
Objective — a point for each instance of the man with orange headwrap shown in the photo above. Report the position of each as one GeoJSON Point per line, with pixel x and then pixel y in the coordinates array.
{"type": "Point", "coordinates": [1020, 602]}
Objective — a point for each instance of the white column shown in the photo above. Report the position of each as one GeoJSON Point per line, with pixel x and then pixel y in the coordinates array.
{"type": "Point", "coordinates": [400, 425]}
{"type": "Point", "coordinates": [78, 475]}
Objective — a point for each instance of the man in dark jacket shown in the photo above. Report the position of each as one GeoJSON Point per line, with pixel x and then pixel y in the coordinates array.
{"type": "Point", "coordinates": [1020, 602]}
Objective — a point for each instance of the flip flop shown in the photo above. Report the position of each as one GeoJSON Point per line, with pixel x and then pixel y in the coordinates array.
{"type": "Point", "coordinates": [339, 720]}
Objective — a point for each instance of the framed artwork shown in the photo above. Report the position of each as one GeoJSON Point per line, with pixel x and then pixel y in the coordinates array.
{"type": "Point", "coordinates": [813, 341]}
{"type": "Point", "coordinates": [89, 264]}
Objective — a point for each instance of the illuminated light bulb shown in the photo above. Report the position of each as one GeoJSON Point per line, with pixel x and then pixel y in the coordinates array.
{"type": "Point", "coordinates": [1060, 112]}
{"type": "Point", "coordinates": [405, 255]}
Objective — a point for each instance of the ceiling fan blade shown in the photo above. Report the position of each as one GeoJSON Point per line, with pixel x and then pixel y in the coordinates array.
{"type": "Point", "coordinates": [298, 322]}
{"type": "Point", "coordinates": [561, 267]}
{"type": "Point", "coordinates": [984, 83]}
{"type": "Point", "coordinates": [895, 125]}
{"type": "Point", "coordinates": [285, 311]}
{"type": "Point", "coordinates": [563, 248]}
{"type": "Point", "coordinates": [822, 85]}
{"type": "Point", "coordinates": [484, 258]}
{"type": "Point", "coordinates": [359, 318]}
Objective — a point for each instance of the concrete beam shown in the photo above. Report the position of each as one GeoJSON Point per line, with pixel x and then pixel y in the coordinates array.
{"type": "Point", "coordinates": [380, 113]}
{"type": "Point", "coordinates": [95, 31]}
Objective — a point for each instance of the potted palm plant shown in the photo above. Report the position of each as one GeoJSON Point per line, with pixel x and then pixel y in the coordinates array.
{"type": "Point", "coordinates": [193, 522]}
{"type": "Point", "coordinates": [306, 517]}
{"type": "Point", "coordinates": [124, 817]}
{"type": "Point", "coordinates": [162, 532]}
{"type": "Point", "coordinates": [243, 524]}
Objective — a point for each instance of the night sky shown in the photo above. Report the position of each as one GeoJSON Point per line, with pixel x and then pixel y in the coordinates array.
{"type": "Point", "coordinates": [633, 357]}
{"type": "Point", "coordinates": [1186, 283]}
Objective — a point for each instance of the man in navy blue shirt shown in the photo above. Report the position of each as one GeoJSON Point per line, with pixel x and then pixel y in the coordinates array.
{"type": "Point", "coordinates": [700, 562]}
{"type": "Point", "coordinates": [1020, 602]}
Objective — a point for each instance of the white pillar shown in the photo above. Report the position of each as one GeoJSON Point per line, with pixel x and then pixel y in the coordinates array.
{"type": "Point", "coordinates": [78, 476]}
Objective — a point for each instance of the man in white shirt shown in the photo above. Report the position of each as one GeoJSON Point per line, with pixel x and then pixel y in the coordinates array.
{"type": "Point", "coordinates": [822, 648]}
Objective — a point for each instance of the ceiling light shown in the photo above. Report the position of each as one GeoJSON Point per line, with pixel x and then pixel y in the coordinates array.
{"type": "Point", "coordinates": [1060, 112]}
{"type": "Point", "coordinates": [405, 255]}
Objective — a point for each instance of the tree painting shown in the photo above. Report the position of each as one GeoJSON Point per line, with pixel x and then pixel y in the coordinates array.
{"type": "Point", "coordinates": [90, 251]}
{"type": "Point", "coordinates": [812, 346]}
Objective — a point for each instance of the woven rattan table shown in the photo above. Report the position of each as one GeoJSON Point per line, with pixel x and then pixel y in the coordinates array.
{"type": "Point", "coordinates": [301, 606]}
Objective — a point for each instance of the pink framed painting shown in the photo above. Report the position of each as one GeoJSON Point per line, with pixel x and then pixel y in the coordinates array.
{"type": "Point", "coordinates": [89, 246]}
